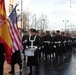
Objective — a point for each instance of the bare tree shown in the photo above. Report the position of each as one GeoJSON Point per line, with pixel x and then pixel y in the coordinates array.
{"type": "Point", "coordinates": [24, 21]}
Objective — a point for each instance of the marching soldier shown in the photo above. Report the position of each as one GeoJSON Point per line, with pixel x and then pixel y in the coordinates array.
{"type": "Point", "coordinates": [74, 41]}
{"type": "Point", "coordinates": [42, 44]}
{"type": "Point", "coordinates": [67, 43]}
{"type": "Point", "coordinates": [58, 51]}
{"type": "Point", "coordinates": [53, 46]}
{"type": "Point", "coordinates": [47, 47]}
{"type": "Point", "coordinates": [39, 51]}
{"type": "Point", "coordinates": [33, 42]}
{"type": "Point", "coordinates": [70, 43]}
{"type": "Point", "coordinates": [24, 39]}
{"type": "Point", "coordinates": [63, 44]}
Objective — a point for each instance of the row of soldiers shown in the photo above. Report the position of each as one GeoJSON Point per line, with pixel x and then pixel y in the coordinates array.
{"type": "Point", "coordinates": [58, 45]}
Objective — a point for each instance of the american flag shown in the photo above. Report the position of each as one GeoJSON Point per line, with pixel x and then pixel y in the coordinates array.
{"type": "Point", "coordinates": [14, 32]}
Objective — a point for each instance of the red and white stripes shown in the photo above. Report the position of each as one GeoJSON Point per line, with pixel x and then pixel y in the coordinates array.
{"type": "Point", "coordinates": [15, 36]}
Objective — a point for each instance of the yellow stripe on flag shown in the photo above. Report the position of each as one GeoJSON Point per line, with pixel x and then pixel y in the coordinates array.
{"type": "Point", "coordinates": [4, 31]}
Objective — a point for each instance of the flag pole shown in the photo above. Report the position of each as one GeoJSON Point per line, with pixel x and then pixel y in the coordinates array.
{"type": "Point", "coordinates": [21, 18]}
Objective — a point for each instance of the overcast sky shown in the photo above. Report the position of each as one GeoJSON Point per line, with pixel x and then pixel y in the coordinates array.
{"type": "Point", "coordinates": [56, 11]}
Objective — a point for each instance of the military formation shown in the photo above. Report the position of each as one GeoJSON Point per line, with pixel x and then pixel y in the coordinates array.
{"type": "Point", "coordinates": [55, 46]}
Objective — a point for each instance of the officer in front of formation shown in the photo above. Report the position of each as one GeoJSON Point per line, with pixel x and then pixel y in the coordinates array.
{"type": "Point", "coordinates": [33, 41]}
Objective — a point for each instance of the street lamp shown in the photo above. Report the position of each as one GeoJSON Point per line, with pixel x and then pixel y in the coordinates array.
{"type": "Point", "coordinates": [65, 21]}
{"type": "Point", "coordinates": [72, 27]}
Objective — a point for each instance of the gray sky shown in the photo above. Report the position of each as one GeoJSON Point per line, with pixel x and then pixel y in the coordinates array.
{"type": "Point", "coordinates": [56, 11]}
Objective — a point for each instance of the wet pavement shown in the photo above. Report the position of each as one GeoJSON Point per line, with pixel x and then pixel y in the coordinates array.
{"type": "Point", "coordinates": [49, 67]}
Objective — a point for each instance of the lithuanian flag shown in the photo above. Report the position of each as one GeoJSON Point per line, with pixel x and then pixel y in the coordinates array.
{"type": "Point", "coordinates": [4, 31]}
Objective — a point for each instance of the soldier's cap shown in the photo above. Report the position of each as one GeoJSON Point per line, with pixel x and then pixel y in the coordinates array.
{"type": "Point", "coordinates": [53, 33]}
{"type": "Point", "coordinates": [32, 30]}
{"type": "Point", "coordinates": [37, 31]}
{"type": "Point", "coordinates": [47, 31]}
{"type": "Point", "coordinates": [67, 33]}
{"type": "Point", "coordinates": [25, 31]}
{"type": "Point", "coordinates": [42, 33]}
{"type": "Point", "coordinates": [57, 31]}
{"type": "Point", "coordinates": [74, 35]}
{"type": "Point", "coordinates": [62, 33]}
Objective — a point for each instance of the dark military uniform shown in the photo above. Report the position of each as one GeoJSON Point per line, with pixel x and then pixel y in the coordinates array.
{"type": "Point", "coordinates": [2, 58]}
{"type": "Point", "coordinates": [39, 51]}
{"type": "Point", "coordinates": [67, 43]}
{"type": "Point", "coordinates": [24, 40]}
{"type": "Point", "coordinates": [16, 58]}
{"type": "Point", "coordinates": [74, 42]}
{"type": "Point", "coordinates": [42, 44]}
{"type": "Point", "coordinates": [33, 60]}
{"type": "Point", "coordinates": [63, 44]}
{"type": "Point", "coordinates": [35, 41]}
{"type": "Point", "coordinates": [53, 46]}
{"type": "Point", "coordinates": [58, 50]}
{"type": "Point", "coordinates": [47, 45]}
{"type": "Point", "coordinates": [70, 44]}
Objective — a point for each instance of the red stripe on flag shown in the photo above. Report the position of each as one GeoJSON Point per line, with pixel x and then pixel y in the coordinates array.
{"type": "Point", "coordinates": [2, 5]}
{"type": "Point", "coordinates": [15, 37]}
{"type": "Point", "coordinates": [7, 50]}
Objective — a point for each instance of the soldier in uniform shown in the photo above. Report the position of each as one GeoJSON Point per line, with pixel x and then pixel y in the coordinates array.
{"type": "Point", "coordinates": [42, 44]}
{"type": "Point", "coordinates": [58, 51]}
{"type": "Point", "coordinates": [53, 46]}
{"type": "Point", "coordinates": [33, 40]}
{"type": "Point", "coordinates": [74, 42]}
{"type": "Point", "coordinates": [47, 47]}
{"type": "Point", "coordinates": [24, 39]}
{"type": "Point", "coordinates": [70, 43]}
{"type": "Point", "coordinates": [63, 44]}
{"type": "Point", "coordinates": [2, 57]}
{"type": "Point", "coordinates": [39, 51]}
{"type": "Point", "coordinates": [67, 43]}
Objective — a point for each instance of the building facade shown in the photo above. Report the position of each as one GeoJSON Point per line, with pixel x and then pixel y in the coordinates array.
{"type": "Point", "coordinates": [9, 5]}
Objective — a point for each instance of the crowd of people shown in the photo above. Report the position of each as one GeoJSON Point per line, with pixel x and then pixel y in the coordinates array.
{"type": "Point", "coordinates": [57, 46]}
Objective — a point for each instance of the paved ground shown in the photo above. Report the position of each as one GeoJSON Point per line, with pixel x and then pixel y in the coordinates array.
{"type": "Point", "coordinates": [64, 67]}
